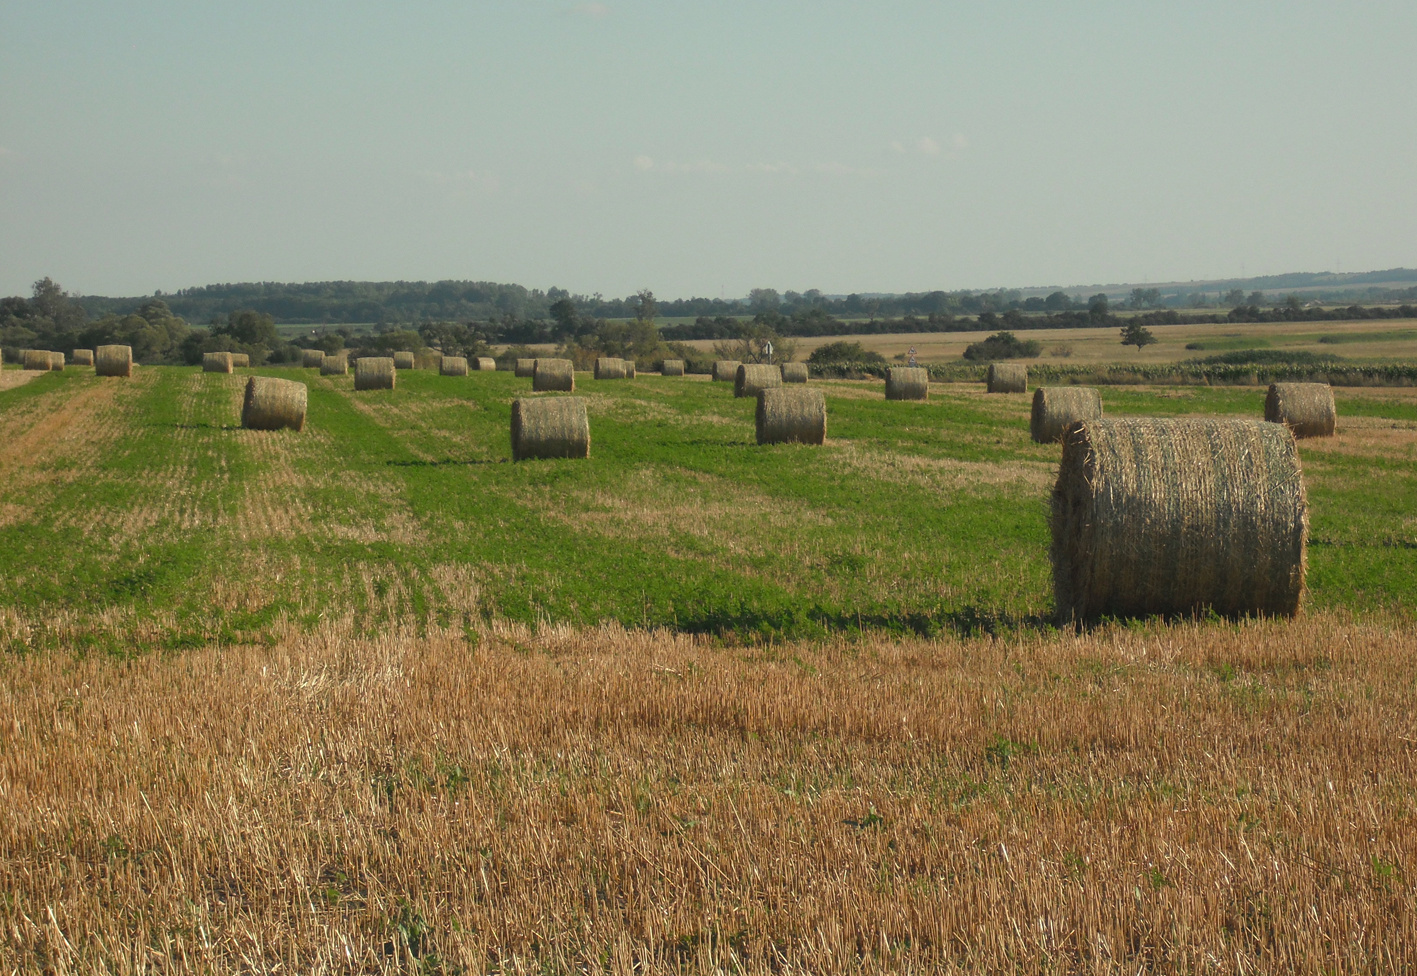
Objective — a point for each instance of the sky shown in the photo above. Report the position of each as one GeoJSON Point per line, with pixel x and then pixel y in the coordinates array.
{"type": "Point", "coordinates": [703, 148]}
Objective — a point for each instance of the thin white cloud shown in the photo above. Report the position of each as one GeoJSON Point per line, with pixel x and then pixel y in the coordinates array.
{"type": "Point", "coordinates": [928, 146]}
{"type": "Point", "coordinates": [644, 163]}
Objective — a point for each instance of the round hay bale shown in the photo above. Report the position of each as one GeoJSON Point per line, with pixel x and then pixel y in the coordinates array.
{"type": "Point", "coordinates": [1176, 516]}
{"type": "Point", "coordinates": [629, 369]}
{"type": "Point", "coordinates": [726, 371]}
{"type": "Point", "coordinates": [36, 359]}
{"type": "Point", "coordinates": [671, 367]}
{"type": "Point", "coordinates": [794, 372]}
{"type": "Point", "coordinates": [374, 373]}
{"type": "Point", "coordinates": [1008, 378]}
{"type": "Point", "coordinates": [907, 383]}
{"type": "Point", "coordinates": [792, 416]}
{"type": "Point", "coordinates": [217, 362]}
{"type": "Point", "coordinates": [550, 427]}
{"type": "Point", "coordinates": [334, 364]}
{"type": "Point", "coordinates": [453, 366]}
{"type": "Point", "coordinates": [754, 377]}
{"type": "Point", "coordinates": [403, 360]}
{"type": "Point", "coordinates": [557, 375]}
{"type": "Point", "coordinates": [1305, 408]}
{"type": "Point", "coordinates": [1056, 408]}
{"type": "Point", "coordinates": [525, 367]}
{"type": "Point", "coordinates": [271, 404]}
{"type": "Point", "coordinates": [312, 358]}
{"type": "Point", "coordinates": [56, 362]}
{"type": "Point", "coordinates": [609, 368]}
{"type": "Point", "coordinates": [240, 359]}
{"type": "Point", "coordinates": [486, 364]}
{"type": "Point", "coordinates": [113, 361]}
{"type": "Point", "coordinates": [81, 357]}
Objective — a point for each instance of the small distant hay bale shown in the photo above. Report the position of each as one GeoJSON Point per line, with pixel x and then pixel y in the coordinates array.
{"type": "Point", "coordinates": [217, 362]}
{"type": "Point", "coordinates": [113, 361]}
{"type": "Point", "coordinates": [554, 375]}
{"type": "Point", "coordinates": [550, 427]}
{"type": "Point", "coordinates": [334, 364]}
{"type": "Point", "coordinates": [56, 362]}
{"type": "Point", "coordinates": [81, 357]}
{"type": "Point", "coordinates": [610, 368]}
{"type": "Point", "coordinates": [629, 369]}
{"type": "Point", "coordinates": [1305, 408]}
{"type": "Point", "coordinates": [1008, 378]}
{"type": "Point", "coordinates": [36, 359]}
{"type": "Point", "coordinates": [525, 367]}
{"type": "Point", "coordinates": [453, 366]}
{"type": "Point", "coordinates": [752, 378]}
{"type": "Point", "coordinates": [273, 404]}
{"type": "Point", "coordinates": [794, 372]}
{"type": "Point", "coordinates": [1177, 516]}
{"type": "Point", "coordinates": [312, 358]}
{"type": "Point", "coordinates": [907, 383]}
{"type": "Point", "coordinates": [484, 364]}
{"type": "Point", "coordinates": [726, 371]}
{"type": "Point", "coordinates": [374, 373]}
{"type": "Point", "coordinates": [792, 416]}
{"type": "Point", "coordinates": [240, 359]}
{"type": "Point", "coordinates": [403, 360]}
{"type": "Point", "coordinates": [671, 367]}
{"type": "Point", "coordinates": [1056, 408]}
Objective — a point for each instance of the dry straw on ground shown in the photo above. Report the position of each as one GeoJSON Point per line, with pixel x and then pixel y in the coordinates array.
{"type": "Point", "coordinates": [1178, 516]}
{"type": "Point", "coordinates": [403, 360]}
{"type": "Point", "coordinates": [453, 366]}
{"type": "Point", "coordinates": [671, 367]}
{"type": "Point", "coordinates": [485, 364]}
{"type": "Point", "coordinates": [726, 371]}
{"type": "Point", "coordinates": [550, 427]}
{"type": "Point", "coordinates": [272, 404]}
{"type": "Point", "coordinates": [1056, 408]}
{"type": "Point", "coordinates": [81, 357]}
{"type": "Point", "coordinates": [554, 375]}
{"type": "Point", "coordinates": [1307, 409]}
{"type": "Point", "coordinates": [525, 367]}
{"type": "Point", "coordinates": [312, 358]}
{"type": "Point", "coordinates": [334, 364]}
{"type": "Point", "coordinates": [752, 378]}
{"type": "Point", "coordinates": [374, 373]}
{"type": "Point", "coordinates": [113, 360]}
{"type": "Point", "coordinates": [794, 372]}
{"type": "Point", "coordinates": [217, 362]}
{"type": "Point", "coordinates": [907, 383]}
{"type": "Point", "coordinates": [791, 415]}
{"type": "Point", "coordinates": [1007, 378]}
{"type": "Point", "coordinates": [241, 360]}
{"type": "Point", "coordinates": [610, 368]}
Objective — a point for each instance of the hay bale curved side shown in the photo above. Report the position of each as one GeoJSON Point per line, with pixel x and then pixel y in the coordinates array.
{"type": "Point", "coordinates": [403, 360]}
{"type": "Point", "coordinates": [907, 383]}
{"type": "Point", "coordinates": [629, 369]}
{"type": "Point", "coordinates": [1007, 378]}
{"type": "Point", "coordinates": [1174, 516]}
{"type": "Point", "coordinates": [671, 367]}
{"type": "Point", "coordinates": [794, 372]}
{"type": "Point", "coordinates": [726, 370]}
{"type": "Point", "coordinates": [334, 364]}
{"type": "Point", "coordinates": [374, 373]}
{"type": "Point", "coordinates": [525, 367]}
{"type": "Point", "coordinates": [273, 404]}
{"type": "Point", "coordinates": [35, 359]}
{"type": "Point", "coordinates": [752, 378]}
{"type": "Point", "coordinates": [550, 427]}
{"type": "Point", "coordinates": [113, 361]}
{"type": "Point", "coordinates": [240, 359]}
{"type": "Point", "coordinates": [453, 366]}
{"type": "Point", "coordinates": [81, 357]}
{"type": "Point", "coordinates": [791, 416]}
{"type": "Point", "coordinates": [217, 362]}
{"type": "Point", "coordinates": [1307, 409]}
{"type": "Point", "coordinates": [1056, 408]}
{"type": "Point", "coordinates": [312, 358]}
{"type": "Point", "coordinates": [554, 375]}
{"type": "Point", "coordinates": [486, 364]}
{"type": "Point", "coordinates": [56, 362]}
{"type": "Point", "coordinates": [609, 368]}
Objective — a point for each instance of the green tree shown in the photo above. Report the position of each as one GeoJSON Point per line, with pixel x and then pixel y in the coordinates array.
{"type": "Point", "coordinates": [1097, 306]}
{"type": "Point", "coordinates": [565, 315]}
{"type": "Point", "coordinates": [644, 306]}
{"type": "Point", "coordinates": [1235, 297]}
{"type": "Point", "coordinates": [1134, 334]}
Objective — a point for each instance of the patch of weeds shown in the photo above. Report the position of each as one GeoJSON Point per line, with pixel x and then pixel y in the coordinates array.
{"type": "Point", "coordinates": [1002, 750]}
{"type": "Point", "coordinates": [868, 822]}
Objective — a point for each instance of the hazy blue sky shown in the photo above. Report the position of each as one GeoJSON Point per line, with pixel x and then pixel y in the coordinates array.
{"type": "Point", "coordinates": [703, 148]}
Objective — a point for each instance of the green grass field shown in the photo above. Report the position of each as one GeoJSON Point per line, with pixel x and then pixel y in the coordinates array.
{"type": "Point", "coordinates": [138, 514]}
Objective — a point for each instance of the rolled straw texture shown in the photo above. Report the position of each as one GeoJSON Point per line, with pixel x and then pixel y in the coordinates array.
{"type": "Point", "coordinates": [56, 362]}
{"type": "Point", "coordinates": [1056, 408]}
{"type": "Point", "coordinates": [36, 359]}
{"type": "Point", "coordinates": [81, 357]}
{"type": "Point", "coordinates": [907, 383]}
{"type": "Point", "coordinates": [240, 359]}
{"type": "Point", "coordinates": [485, 364]}
{"type": "Point", "coordinates": [629, 369]}
{"type": "Point", "coordinates": [271, 404]}
{"type": "Point", "coordinates": [217, 362]}
{"type": "Point", "coordinates": [792, 416]}
{"type": "Point", "coordinates": [554, 375]}
{"type": "Point", "coordinates": [1174, 516]}
{"type": "Point", "coordinates": [113, 361]}
{"type": "Point", "coordinates": [374, 373]}
{"type": "Point", "coordinates": [550, 427]}
{"type": "Point", "coordinates": [671, 367]}
{"type": "Point", "coordinates": [726, 371]}
{"type": "Point", "coordinates": [453, 366]}
{"type": "Point", "coordinates": [755, 377]}
{"type": "Point", "coordinates": [609, 368]}
{"type": "Point", "coordinates": [1008, 378]}
{"type": "Point", "coordinates": [1307, 409]}
{"type": "Point", "coordinates": [403, 360]}
{"type": "Point", "coordinates": [312, 358]}
{"type": "Point", "coordinates": [794, 372]}
{"type": "Point", "coordinates": [334, 364]}
{"type": "Point", "coordinates": [526, 367]}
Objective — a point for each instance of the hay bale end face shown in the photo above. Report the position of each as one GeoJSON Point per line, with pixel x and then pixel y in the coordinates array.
{"type": "Point", "coordinates": [240, 359]}
{"type": "Point", "coordinates": [525, 367]}
{"type": "Point", "coordinates": [56, 362]}
{"type": "Point", "coordinates": [81, 357]}
{"type": "Point", "coordinates": [753, 378]}
{"type": "Point", "coordinates": [1177, 516]}
{"type": "Point", "coordinates": [550, 427]}
{"type": "Point", "coordinates": [726, 371]}
{"type": "Point", "coordinates": [485, 364]}
{"type": "Point", "coordinates": [453, 366]}
{"type": "Point", "coordinates": [629, 369]}
{"type": "Point", "coordinates": [403, 360]}
{"type": "Point", "coordinates": [217, 362]}
{"type": "Point", "coordinates": [1307, 409]}
{"type": "Point", "coordinates": [609, 368]}
{"type": "Point", "coordinates": [273, 404]}
{"type": "Point", "coordinates": [1056, 408]}
{"type": "Point", "coordinates": [1007, 378]}
{"type": "Point", "coordinates": [794, 372]}
{"type": "Point", "coordinates": [334, 364]}
{"type": "Point", "coordinates": [671, 367]}
{"type": "Point", "coordinates": [113, 361]}
{"type": "Point", "coordinates": [312, 358]}
{"type": "Point", "coordinates": [791, 416]}
{"type": "Point", "coordinates": [554, 375]}
{"type": "Point", "coordinates": [907, 383]}
{"type": "Point", "coordinates": [374, 373]}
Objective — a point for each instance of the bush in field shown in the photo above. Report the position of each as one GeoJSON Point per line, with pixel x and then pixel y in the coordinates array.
{"type": "Point", "coordinates": [844, 352]}
{"type": "Point", "coordinates": [1002, 345]}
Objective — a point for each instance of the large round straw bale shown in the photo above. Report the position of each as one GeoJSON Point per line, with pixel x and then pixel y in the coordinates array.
{"type": "Point", "coordinates": [36, 359]}
{"type": "Point", "coordinates": [241, 359]}
{"type": "Point", "coordinates": [1305, 408]}
{"type": "Point", "coordinates": [726, 371]}
{"type": "Point", "coordinates": [609, 368]}
{"type": "Point", "coordinates": [550, 427]}
{"type": "Point", "coordinates": [216, 362]}
{"type": "Point", "coordinates": [1008, 378]}
{"type": "Point", "coordinates": [629, 369]}
{"type": "Point", "coordinates": [56, 361]}
{"type": "Point", "coordinates": [403, 360]}
{"type": "Point", "coordinates": [374, 373]}
{"type": "Point", "coordinates": [794, 372]}
{"type": "Point", "coordinates": [525, 367]}
{"type": "Point", "coordinates": [453, 366]}
{"type": "Point", "coordinates": [792, 415]}
{"type": "Point", "coordinates": [485, 364]}
{"type": "Point", "coordinates": [271, 404]}
{"type": "Point", "coordinates": [1176, 516]}
{"type": "Point", "coordinates": [81, 357]}
{"type": "Point", "coordinates": [334, 364]}
{"type": "Point", "coordinates": [113, 361]}
{"type": "Point", "coordinates": [312, 358]}
{"type": "Point", "coordinates": [554, 374]}
{"type": "Point", "coordinates": [671, 367]}
{"type": "Point", "coordinates": [1056, 408]}
{"type": "Point", "coordinates": [907, 383]}
{"type": "Point", "coordinates": [753, 377]}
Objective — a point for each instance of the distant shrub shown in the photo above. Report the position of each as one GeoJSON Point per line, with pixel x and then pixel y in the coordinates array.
{"type": "Point", "coordinates": [1061, 352]}
{"type": "Point", "coordinates": [1002, 345]}
{"type": "Point", "coordinates": [844, 352]}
